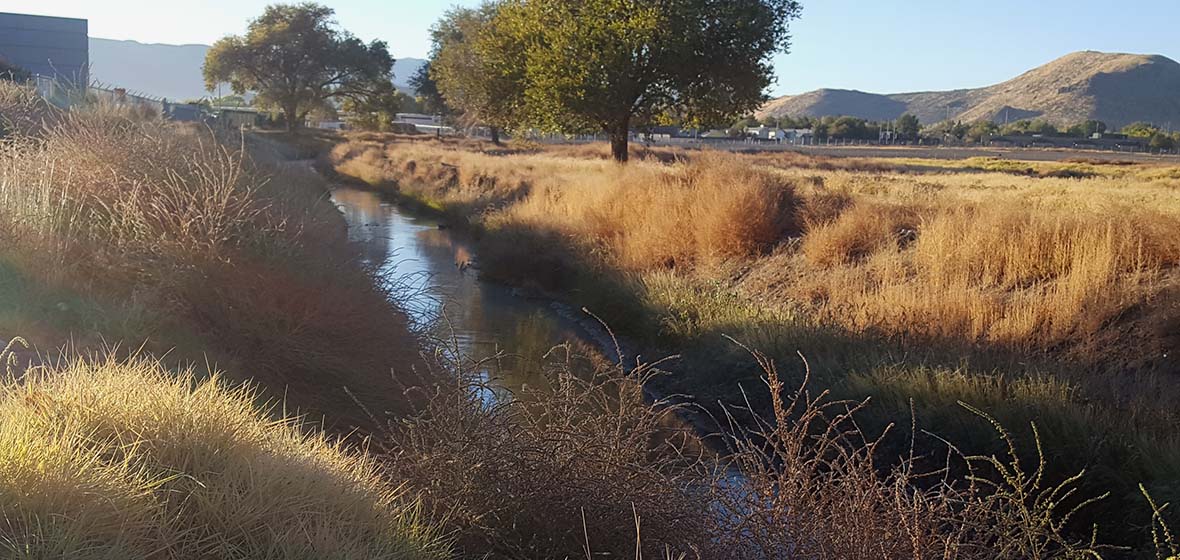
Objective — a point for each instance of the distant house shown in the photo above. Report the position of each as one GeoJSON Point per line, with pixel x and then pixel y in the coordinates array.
{"type": "Point", "coordinates": [657, 133]}
{"type": "Point", "coordinates": [184, 112]}
{"type": "Point", "coordinates": [716, 133]}
{"type": "Point", "coordinates": [781, 135]}
{"type": "Point", "coordinates": [234, 118]}
{"type": "Point", "coordinates": [798, 136]}
{"type": "Point", "coordinates": [417, 119]}
{"type": "Point", "coordinates": [763, 132]}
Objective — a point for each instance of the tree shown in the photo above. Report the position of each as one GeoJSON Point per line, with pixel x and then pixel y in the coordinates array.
{"type": "Point", "coordinates": [296, 58]}
{"type": "Point", "coordinates": [847, 128]}
{"type": "Point", "coordinates": [1027, 127]}
{"type": "Point", "coordinates": [469, 80]}
{"type": "Point", "coordinates": [610, 64]}
{"type": "Point", "coordinates": [954, 129]}
{"type": "Point", "coordinates": [378, 110]}
{"type": "Point", "coordinates": [426, 91]}
{"type": "Point", "coordinates": [1161, 141]}
{"type": "Point", "coordinates": [12, 72]}
{"type": "Point", "coordinates": [908, 127]}
{"type": "Point", "coordinates": [819, 131]}
{"type": "Point", "coordinates": [1086, 129]}
{"type": "Point", "coordinates": [1141, 130]}
{"type": "Point", "coordinates": [982, 129]}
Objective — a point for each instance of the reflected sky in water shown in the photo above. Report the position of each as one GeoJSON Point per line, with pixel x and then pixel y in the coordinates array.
{"type": "Point", "coordinates": [441, 291]}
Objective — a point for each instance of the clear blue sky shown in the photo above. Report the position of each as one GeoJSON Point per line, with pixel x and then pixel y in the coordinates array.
{"type": "Point", "coordinates": [871, 45]}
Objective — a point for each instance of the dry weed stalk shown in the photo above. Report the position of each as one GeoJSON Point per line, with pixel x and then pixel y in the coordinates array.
{"type": "Point", "coordinates": [806, 485]}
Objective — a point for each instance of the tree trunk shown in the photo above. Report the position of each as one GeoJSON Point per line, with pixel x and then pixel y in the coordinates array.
{"type": "Point", "coordinates": [291, 115]}
{"type": "Point", "coordinates": [495, 134]}
{"type": "Point", "coordinates": [618, 140]}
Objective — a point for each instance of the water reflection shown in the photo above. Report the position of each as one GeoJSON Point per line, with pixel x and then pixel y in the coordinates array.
{"type": "Point", "coordinates": [440, 289]}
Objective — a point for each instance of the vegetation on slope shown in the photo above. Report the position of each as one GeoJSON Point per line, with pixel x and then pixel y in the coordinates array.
{"type": "Point", "coordinates": [1115, 88]}
{"type": "Point", "coordinates": [133, 229]}
{"type": "Point", "coordinates": [1033, 298]}
{"type": "Point", "coordinates": [122, 229]}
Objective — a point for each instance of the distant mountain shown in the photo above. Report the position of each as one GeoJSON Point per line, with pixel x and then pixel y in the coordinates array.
{"type": "Point", "coordinates": [403, 70]}
{"type": "Point", "coordinates": [174, 71]}
{"type": "Point", "coordinates": [1115, 88]}
{"type": "Point", "coordinates": [170, 71]}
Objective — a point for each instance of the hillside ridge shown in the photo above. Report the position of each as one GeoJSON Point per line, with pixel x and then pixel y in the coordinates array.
{"type": "Point", "coordinates": [1117, 88]}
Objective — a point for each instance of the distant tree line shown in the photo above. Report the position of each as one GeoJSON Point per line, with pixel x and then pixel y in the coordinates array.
{"type": "Point", "coordinates": [908, 128]}
{"type": "Point", "coordinates": [904, 128]}
{"type": "Point", "coordinates": [1158, 138]}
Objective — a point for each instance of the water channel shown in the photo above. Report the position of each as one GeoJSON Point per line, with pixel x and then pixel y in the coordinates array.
{"type": "Point", "coordinates": [438, 286]}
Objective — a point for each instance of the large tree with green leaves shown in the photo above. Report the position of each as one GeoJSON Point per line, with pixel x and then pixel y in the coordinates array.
{"type": "Point", "coordinates": [476, 83]}
{"type": "Point", "coordinates": [610, 64]}
{"type": "Point", "coordinates": [908, 127]}
{"type": "Point", "coordinates": [296, 58]}
{"type": "Point", "coordinates": [426, 92]}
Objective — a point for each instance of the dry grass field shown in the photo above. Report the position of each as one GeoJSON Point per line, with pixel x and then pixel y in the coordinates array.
{"type": "Point", "coordinates": [113, 459]}
{"type": "Point", "coordinates": [1037, 291]}
{"type": "Point", "coordinates": [1079, 267]}
{"type": "Point", "coordinates": [118, 228]}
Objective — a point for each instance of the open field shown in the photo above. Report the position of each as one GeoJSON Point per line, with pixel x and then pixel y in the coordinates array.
{"type": "Point", "coordinates": [955, 153]}
{"type": "Point", "coordinates": [922, 152]}
{"type": "Point", "coordinates": [1037, 291]}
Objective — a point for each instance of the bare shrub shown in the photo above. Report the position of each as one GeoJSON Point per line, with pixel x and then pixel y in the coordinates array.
{"type": "Point", "coordinates": [808, 485]}
{"type": "Point", "coordinates": [556, 471]}
{"type": "Point", "coordinates": [22, 111]}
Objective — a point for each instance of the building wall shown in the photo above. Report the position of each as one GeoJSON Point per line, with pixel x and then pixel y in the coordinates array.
{"type": "Point", "coordinates": [49, 46]}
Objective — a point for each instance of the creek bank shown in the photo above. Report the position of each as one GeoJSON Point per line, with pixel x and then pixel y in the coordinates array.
{"type": "Point", "coordinates": [442, 263]}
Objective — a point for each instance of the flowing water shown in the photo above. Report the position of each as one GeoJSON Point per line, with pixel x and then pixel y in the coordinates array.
{"type": "Point", "coordinates": [444, 297]}
{"type": "Point", "coordinates": [440, 289]}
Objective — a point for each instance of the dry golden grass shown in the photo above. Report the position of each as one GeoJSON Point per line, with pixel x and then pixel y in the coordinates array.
{"type": "Point", "coordinates": [1049, 296]}
{"type": "Point", "coordinates": [1026, 263]}
{"type": "Point", "coordinates": [110, 459]}
{"type": "Point", "coordinates": [1029, 264]}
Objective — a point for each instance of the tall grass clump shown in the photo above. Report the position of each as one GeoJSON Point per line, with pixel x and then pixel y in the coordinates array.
{"type": "Point", "coordinates": [121, 459]}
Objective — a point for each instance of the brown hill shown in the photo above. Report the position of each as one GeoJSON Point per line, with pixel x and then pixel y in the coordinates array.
{"type": "Point", "coordinates": [1112, 87]}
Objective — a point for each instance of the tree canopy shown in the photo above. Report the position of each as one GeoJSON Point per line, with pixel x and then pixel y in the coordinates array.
{"type": "Point", "coordinates": [379, 109]}
{"type": "Point", "coordinates": [1141, 130]}
{"type": "Point", "coordinates": [579, 65]}
{"type": "Point", "coordinates": [908, 127]}
{"type": "Point", "coordinates": [470, 74]}
{"type": "Point", "coordinates": [428, 97]}
{"type": "Point", "coordinates": [1086, 129]}
{"type": "Point", "coordinates": [296, 58]}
